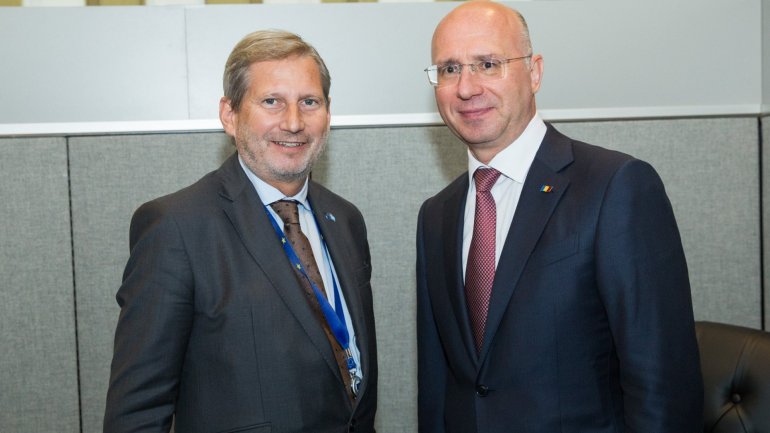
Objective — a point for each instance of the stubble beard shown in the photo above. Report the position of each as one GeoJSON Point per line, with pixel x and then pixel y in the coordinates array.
{"type": "Point", "coordinates": [253, 149]}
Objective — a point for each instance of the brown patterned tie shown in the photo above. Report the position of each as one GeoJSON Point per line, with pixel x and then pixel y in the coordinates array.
{"type": "Point", "coordinates": [480, 270]}
{"type": "Point", "coordinates": [289, 213]}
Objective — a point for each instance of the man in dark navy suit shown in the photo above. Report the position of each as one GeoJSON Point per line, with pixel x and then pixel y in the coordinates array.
{"type": "Point", "coordinates": [553, 294]}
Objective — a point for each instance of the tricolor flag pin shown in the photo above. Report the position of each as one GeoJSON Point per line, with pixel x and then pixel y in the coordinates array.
{"type": "Point", "coordinates": [546, 188]}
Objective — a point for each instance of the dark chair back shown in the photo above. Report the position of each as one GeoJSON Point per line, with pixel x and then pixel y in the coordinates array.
{"type": "Point", "coordinates": [736, 378]}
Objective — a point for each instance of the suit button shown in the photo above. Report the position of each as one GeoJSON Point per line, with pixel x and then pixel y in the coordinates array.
{"type": "Point", "coordinates": [482, 390]}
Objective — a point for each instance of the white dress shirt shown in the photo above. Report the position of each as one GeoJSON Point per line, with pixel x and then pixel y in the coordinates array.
{"type": "Point", "coordinates": [269, 194]}
{"type": "Point", "coordinates": [513, 163]}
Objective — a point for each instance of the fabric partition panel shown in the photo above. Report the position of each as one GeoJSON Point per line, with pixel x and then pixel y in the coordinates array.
{"type": "Point", "coordinates": [38, 368]}
{"type": "Point", "coordinates": [710, 168]}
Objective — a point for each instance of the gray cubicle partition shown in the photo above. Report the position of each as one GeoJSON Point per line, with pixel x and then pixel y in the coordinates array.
{"type": "Point", "coordinates": [710, 167]}
{"type": "Point", "coordinates": [38, 365]}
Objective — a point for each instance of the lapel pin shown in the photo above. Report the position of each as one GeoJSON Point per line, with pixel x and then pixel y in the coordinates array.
{"type": "Point", "coordinates": [330, 216]}
{"type": "Point", "coordinates": [546, 188]}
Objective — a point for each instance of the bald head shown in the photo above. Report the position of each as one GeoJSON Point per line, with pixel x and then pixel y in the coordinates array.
{"type": "Point", "coordinates": [476, 16]}
{"type": "Point", "coordinates": [488, 111]}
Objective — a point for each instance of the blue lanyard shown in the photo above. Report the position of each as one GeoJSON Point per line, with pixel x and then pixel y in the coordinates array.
{"type": "Point", "coordinates": [334, 317]}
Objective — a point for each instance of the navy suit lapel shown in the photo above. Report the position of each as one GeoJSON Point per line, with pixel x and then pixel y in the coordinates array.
{"type": "Point", "coordinates": [244, 208]}
{"type": "Point", "coordinates": [533, 211]}
{"type": "Point", "coordinates": [452, 236]}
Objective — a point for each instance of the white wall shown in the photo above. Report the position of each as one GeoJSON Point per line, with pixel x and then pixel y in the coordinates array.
{"type": "Point", "coordinates": [603, 59]}
{"type": "Point", "coordinates": [92, 64]}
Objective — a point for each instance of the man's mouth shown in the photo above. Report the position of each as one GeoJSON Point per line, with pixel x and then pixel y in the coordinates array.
{"type": "Point", "coordinates": [474, 111]}
{"type": "Point", "coordinates": [289, 143]}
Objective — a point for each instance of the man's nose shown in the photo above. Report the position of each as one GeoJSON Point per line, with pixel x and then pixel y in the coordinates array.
{"type": "Point", "coordinates": [468, 83]}
{"type": "Point", "coordinates": [292, 119]}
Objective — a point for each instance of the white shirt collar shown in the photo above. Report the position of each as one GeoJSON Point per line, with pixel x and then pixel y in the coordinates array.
{"type": "Point", "coordinates": [514, 161]}
{"type": "Point", "coordinates": [269, 193]}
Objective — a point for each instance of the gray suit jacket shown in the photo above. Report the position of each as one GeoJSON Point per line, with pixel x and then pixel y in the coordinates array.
{"type": "Point", "coordinates": [215, 330]}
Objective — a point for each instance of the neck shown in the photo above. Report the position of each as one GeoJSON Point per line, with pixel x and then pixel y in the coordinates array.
{"type": "Point", "coordinates": [485, 153]}
{"type": "Point", "coordinates": [289, 189]}
{"type": "Point", "coordinates": [484, 156]}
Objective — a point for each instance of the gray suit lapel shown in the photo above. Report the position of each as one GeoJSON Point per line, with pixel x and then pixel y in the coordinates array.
{"type": "Point", "coordinates": [534, 209]}
{"type": "Point", "coordinates": [338, 242]}
{"type": "Point", "coordinates": [244, 208]}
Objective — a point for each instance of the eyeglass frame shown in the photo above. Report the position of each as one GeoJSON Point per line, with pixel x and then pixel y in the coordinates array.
{"type": "Point", "coordinates": [473, 67]}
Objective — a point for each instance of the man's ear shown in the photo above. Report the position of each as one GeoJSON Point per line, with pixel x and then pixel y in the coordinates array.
{"type": "Point", "coordinates": [536, 72]}
{"type": "Point", "coordinates": [228, 116]}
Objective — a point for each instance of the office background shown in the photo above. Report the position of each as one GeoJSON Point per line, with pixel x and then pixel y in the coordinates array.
{"type": "Point", "coordinates": [102, 109]}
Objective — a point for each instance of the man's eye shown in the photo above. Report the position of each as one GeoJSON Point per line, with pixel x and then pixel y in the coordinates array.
{"type": "Point", "coordinates": [488, 65]}
{"type": "Point", "coordinates": [310, 102]}
{"type": "Point", "coordinates": [270, 101]}
{"type": "Point", "coordinates": [450, 70]}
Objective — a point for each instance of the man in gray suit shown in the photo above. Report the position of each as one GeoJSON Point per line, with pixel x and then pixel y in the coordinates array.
{"type": "Point", "coordinates": [246, 304]}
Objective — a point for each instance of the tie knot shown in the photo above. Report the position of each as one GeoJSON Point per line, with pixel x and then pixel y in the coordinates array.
{"type": "Point", "coordinates": [287, 210]}
{"type": "Point", "coordinates": [485, 178]}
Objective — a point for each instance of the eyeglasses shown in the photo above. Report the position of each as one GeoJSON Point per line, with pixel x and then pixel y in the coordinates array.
{"type": "Point", "coordinates": [486, 69]}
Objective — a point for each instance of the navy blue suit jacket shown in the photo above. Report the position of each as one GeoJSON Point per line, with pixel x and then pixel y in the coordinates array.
{"type": "Point", "coordinates": [590, 325]}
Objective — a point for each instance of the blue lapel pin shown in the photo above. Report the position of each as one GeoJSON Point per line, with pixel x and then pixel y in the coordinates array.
{"type": "Point", "coordinates": [330, 216]}
{"type": "Point", "coordinates": [546, 188]}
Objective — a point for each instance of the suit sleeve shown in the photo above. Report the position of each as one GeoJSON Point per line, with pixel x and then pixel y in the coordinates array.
{"type": "Point", "coordinates": [642, 278]}
{"type": "Point", "coordinates": [431, 362]}
{"type": "Point", "coordinates": [156, 300]}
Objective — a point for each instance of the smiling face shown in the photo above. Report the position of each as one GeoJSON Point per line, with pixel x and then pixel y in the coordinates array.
{"type": "Point", "coordinates": [488, 115]}
{"type": "Point", "coordinates": [281, 126]}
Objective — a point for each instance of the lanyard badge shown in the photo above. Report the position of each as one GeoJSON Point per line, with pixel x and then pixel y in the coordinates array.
{"type": "Point", "coordinates": [334, 318]}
